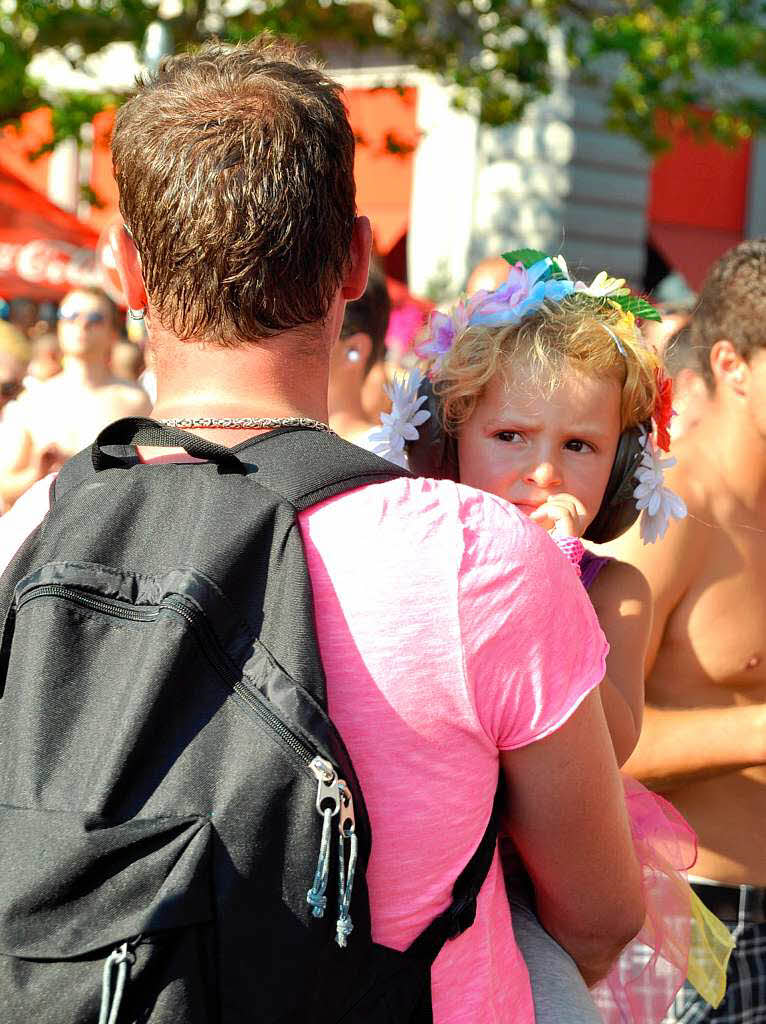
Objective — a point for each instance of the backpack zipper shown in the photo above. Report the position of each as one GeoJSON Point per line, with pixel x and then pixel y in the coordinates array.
{"type": "Point", "coordinates": [120, 610]}
{"type": "Point", "coordinates": [332, 792]}
{"type": "Point", "coordinates": [101, 604]}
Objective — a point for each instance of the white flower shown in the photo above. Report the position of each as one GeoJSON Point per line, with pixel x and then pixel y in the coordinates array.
{"type": "Point", "coordinates": [656, 502]}
{"type": "Point", "coordinates": [562, 266]}
{"type": "Point", "coordinates": [400, 425]}
{"type": "Point", "coordinates": [603, 286]}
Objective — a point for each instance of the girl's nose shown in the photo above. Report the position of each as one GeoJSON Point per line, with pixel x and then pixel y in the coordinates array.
{"type": "Point", "coordinates": [544, 474]}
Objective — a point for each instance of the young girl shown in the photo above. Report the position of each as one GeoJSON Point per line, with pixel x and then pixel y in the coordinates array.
{"type": "Point", "coordinates": [543, 393]}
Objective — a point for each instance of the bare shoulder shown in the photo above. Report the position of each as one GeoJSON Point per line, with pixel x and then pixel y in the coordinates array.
{"type": "Point", "coordinates": [128, 397]}
{"type": "Point", "coordinates": [41, 393]}
{"type": "Point", "coordinates": [619, 582]}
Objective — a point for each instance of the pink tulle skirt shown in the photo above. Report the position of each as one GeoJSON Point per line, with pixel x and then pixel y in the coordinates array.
{"type": "Point", "coordinates": [644, 981]}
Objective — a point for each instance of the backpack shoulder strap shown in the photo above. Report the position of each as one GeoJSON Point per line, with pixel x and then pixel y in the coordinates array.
{"type": "Point", "coordinates": [301, 466]}
{"type": "Point", "coordinates": [79, 470]}
{"type": "Point", "coordinates": [461, 913]}
{"type": "Point", "coordinates": [307, 466]}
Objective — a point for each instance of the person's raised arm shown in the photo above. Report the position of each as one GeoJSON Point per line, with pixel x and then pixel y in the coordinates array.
{"type": "Point", "coordinates": [566, 813]}
{"type": "Point", "coordinates": [20, 465]}
{"type": "Point", "coordinates": [623, 604]}
{"type": "Point", "coordinates": [678, 745]}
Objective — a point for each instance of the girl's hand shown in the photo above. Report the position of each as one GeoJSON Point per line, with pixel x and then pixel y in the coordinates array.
{"type": "Point", "coordinates": [562, 513]}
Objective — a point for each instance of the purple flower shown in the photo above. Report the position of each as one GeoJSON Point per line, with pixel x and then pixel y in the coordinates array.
{"type": "Point", "coordinates": [508, 295]}
{"type": "Point", "coordinates": [443, 328]}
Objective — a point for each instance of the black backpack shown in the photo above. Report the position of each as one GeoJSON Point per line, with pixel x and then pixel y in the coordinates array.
{"type": "Point", "coordinates": [182, 836]}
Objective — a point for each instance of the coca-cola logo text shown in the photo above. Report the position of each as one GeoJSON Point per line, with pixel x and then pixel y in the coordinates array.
{"type": "Point", "coordinates": [50, 263]}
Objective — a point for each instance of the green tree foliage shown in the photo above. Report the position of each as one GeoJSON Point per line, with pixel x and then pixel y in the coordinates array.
{"type": "Point", "coordinates": [666, 57]}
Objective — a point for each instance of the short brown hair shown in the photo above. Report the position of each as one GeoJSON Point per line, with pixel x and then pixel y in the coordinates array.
{"type": "Point", "coordinates": [235, 171]}
{"type": "Point", "coordinates": [679, 353]}
{"type": "Point", "coordinates": [732, 305]}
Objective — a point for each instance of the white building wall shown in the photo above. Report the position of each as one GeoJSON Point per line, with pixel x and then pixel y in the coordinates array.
{"type": "Point", "coordinates": [443, 188]}
{"type": "Point", "coordinates": [523, 178]}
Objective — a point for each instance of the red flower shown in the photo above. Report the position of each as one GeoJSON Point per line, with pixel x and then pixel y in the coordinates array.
{"type": "Point", "coordinates": [663, 409]}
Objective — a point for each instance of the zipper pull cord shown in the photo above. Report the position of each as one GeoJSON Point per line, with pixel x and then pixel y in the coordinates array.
{"type": "Point", "coordinates": [347, 829]}
{"type": "Point", "coordinates": [122, 959]}
{"type": "Point", "coordinates": [344, 925]}
{"type": "Point", "coordinates": [316, 897]}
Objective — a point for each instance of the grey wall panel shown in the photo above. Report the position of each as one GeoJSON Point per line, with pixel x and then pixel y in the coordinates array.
{"type": "Point", "coordinates": [599, 222]}
{"type": "Point", "coordinates": [608, 187]}
{"type": "Point", "coordinates": [600, 148]}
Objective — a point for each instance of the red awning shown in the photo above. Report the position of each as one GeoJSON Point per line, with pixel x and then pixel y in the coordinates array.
{"type": "Point", "coordinates": [384, 122]}
{"type": "Point", "coordinates": [44, 251]}
{"type": "Point", "coordinates": [692, 250]}
{"type": "Point", "coordinates": [698, 202]}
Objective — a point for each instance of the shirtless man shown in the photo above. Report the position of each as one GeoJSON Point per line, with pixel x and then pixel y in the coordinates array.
{"type": "Point", "coordinates": [62, 415]}
{"type": "Point", "coordinates": [703, 743]}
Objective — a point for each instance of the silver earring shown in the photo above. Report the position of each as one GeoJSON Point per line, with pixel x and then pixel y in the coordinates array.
{"type": "Point", "coordinates": [352, 355]}
{"type": "Point", "coordinates": [137, 314]}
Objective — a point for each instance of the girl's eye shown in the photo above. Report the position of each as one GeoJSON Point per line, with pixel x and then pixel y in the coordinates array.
{"type": "Point", "coordinates": [510, 436]}
{"type": "Point", "coordinates": [575, 445]}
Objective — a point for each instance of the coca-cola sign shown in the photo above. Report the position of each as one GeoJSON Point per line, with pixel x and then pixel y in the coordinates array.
{"type": "Point", "coordinates": [50, 264]}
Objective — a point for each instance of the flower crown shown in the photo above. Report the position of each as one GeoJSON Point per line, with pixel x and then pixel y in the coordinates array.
{"type": "Point", "coordinates": [534, 279]}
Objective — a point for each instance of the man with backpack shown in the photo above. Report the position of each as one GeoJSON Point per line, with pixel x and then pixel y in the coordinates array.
{"type": "Point", "coordinates": [266, 698]}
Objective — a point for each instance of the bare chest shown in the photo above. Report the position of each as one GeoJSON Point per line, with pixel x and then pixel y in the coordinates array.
{"type": "Point", "coordinates": [70, 420]}
{"type": "Point", "coordinates": [718, 631]}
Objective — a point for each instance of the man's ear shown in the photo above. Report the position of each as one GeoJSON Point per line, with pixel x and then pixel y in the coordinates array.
{"type": "Point", "coordinates": [355, 280]}
{"type": "Point", "coordinates": [729, 368]}
{"type": "Point", "coordinates": [128, 266]}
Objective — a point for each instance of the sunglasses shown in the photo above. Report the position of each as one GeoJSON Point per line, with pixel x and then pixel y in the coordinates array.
{"type": "Point", "coordinates": [94, 317]}
{"type": "Point", "coordinates": [10, 388]}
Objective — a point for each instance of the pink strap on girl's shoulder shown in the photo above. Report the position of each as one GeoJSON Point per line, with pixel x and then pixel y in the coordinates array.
{"type": "Point", "coordinates": [590, 566]}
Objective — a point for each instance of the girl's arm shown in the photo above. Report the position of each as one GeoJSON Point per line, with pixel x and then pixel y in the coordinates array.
{"type": "Point", "coordinates": [623, 604]}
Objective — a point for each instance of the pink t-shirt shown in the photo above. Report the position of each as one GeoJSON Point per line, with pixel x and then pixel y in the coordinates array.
{"type": "Point", "coordinates": [450, 627]}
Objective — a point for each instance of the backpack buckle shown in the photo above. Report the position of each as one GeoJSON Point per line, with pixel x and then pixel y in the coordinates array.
{"type": "Point", "coordinates": [461, 915]}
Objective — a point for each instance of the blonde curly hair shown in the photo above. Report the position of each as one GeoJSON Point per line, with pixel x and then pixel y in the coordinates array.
{"type": "Point", "coordinates": [577, 332]}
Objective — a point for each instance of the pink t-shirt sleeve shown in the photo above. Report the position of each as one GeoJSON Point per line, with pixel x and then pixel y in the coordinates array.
{"type": "Point", "coordinates": [533, 648]}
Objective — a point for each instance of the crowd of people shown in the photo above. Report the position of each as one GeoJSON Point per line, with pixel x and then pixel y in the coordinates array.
{"type": "Point", "coordinates": [541, 639]}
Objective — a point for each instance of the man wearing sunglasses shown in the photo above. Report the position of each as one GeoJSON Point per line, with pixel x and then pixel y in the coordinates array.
{"type": "Point", "coordinates": [64, 414]}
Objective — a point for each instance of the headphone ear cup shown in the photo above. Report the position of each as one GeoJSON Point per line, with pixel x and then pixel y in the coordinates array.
{"type": "Point", "coordinates": [434, 454]}
{"type": "Point", "coordinates": [618, 509]}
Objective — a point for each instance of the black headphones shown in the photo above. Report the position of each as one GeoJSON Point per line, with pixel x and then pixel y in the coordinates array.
{"type": "Point", "coordinates": [434, 455]}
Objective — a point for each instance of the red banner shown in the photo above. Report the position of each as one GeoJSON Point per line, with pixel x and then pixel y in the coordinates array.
{"type": "Point", "coordinates": [44, 251]}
